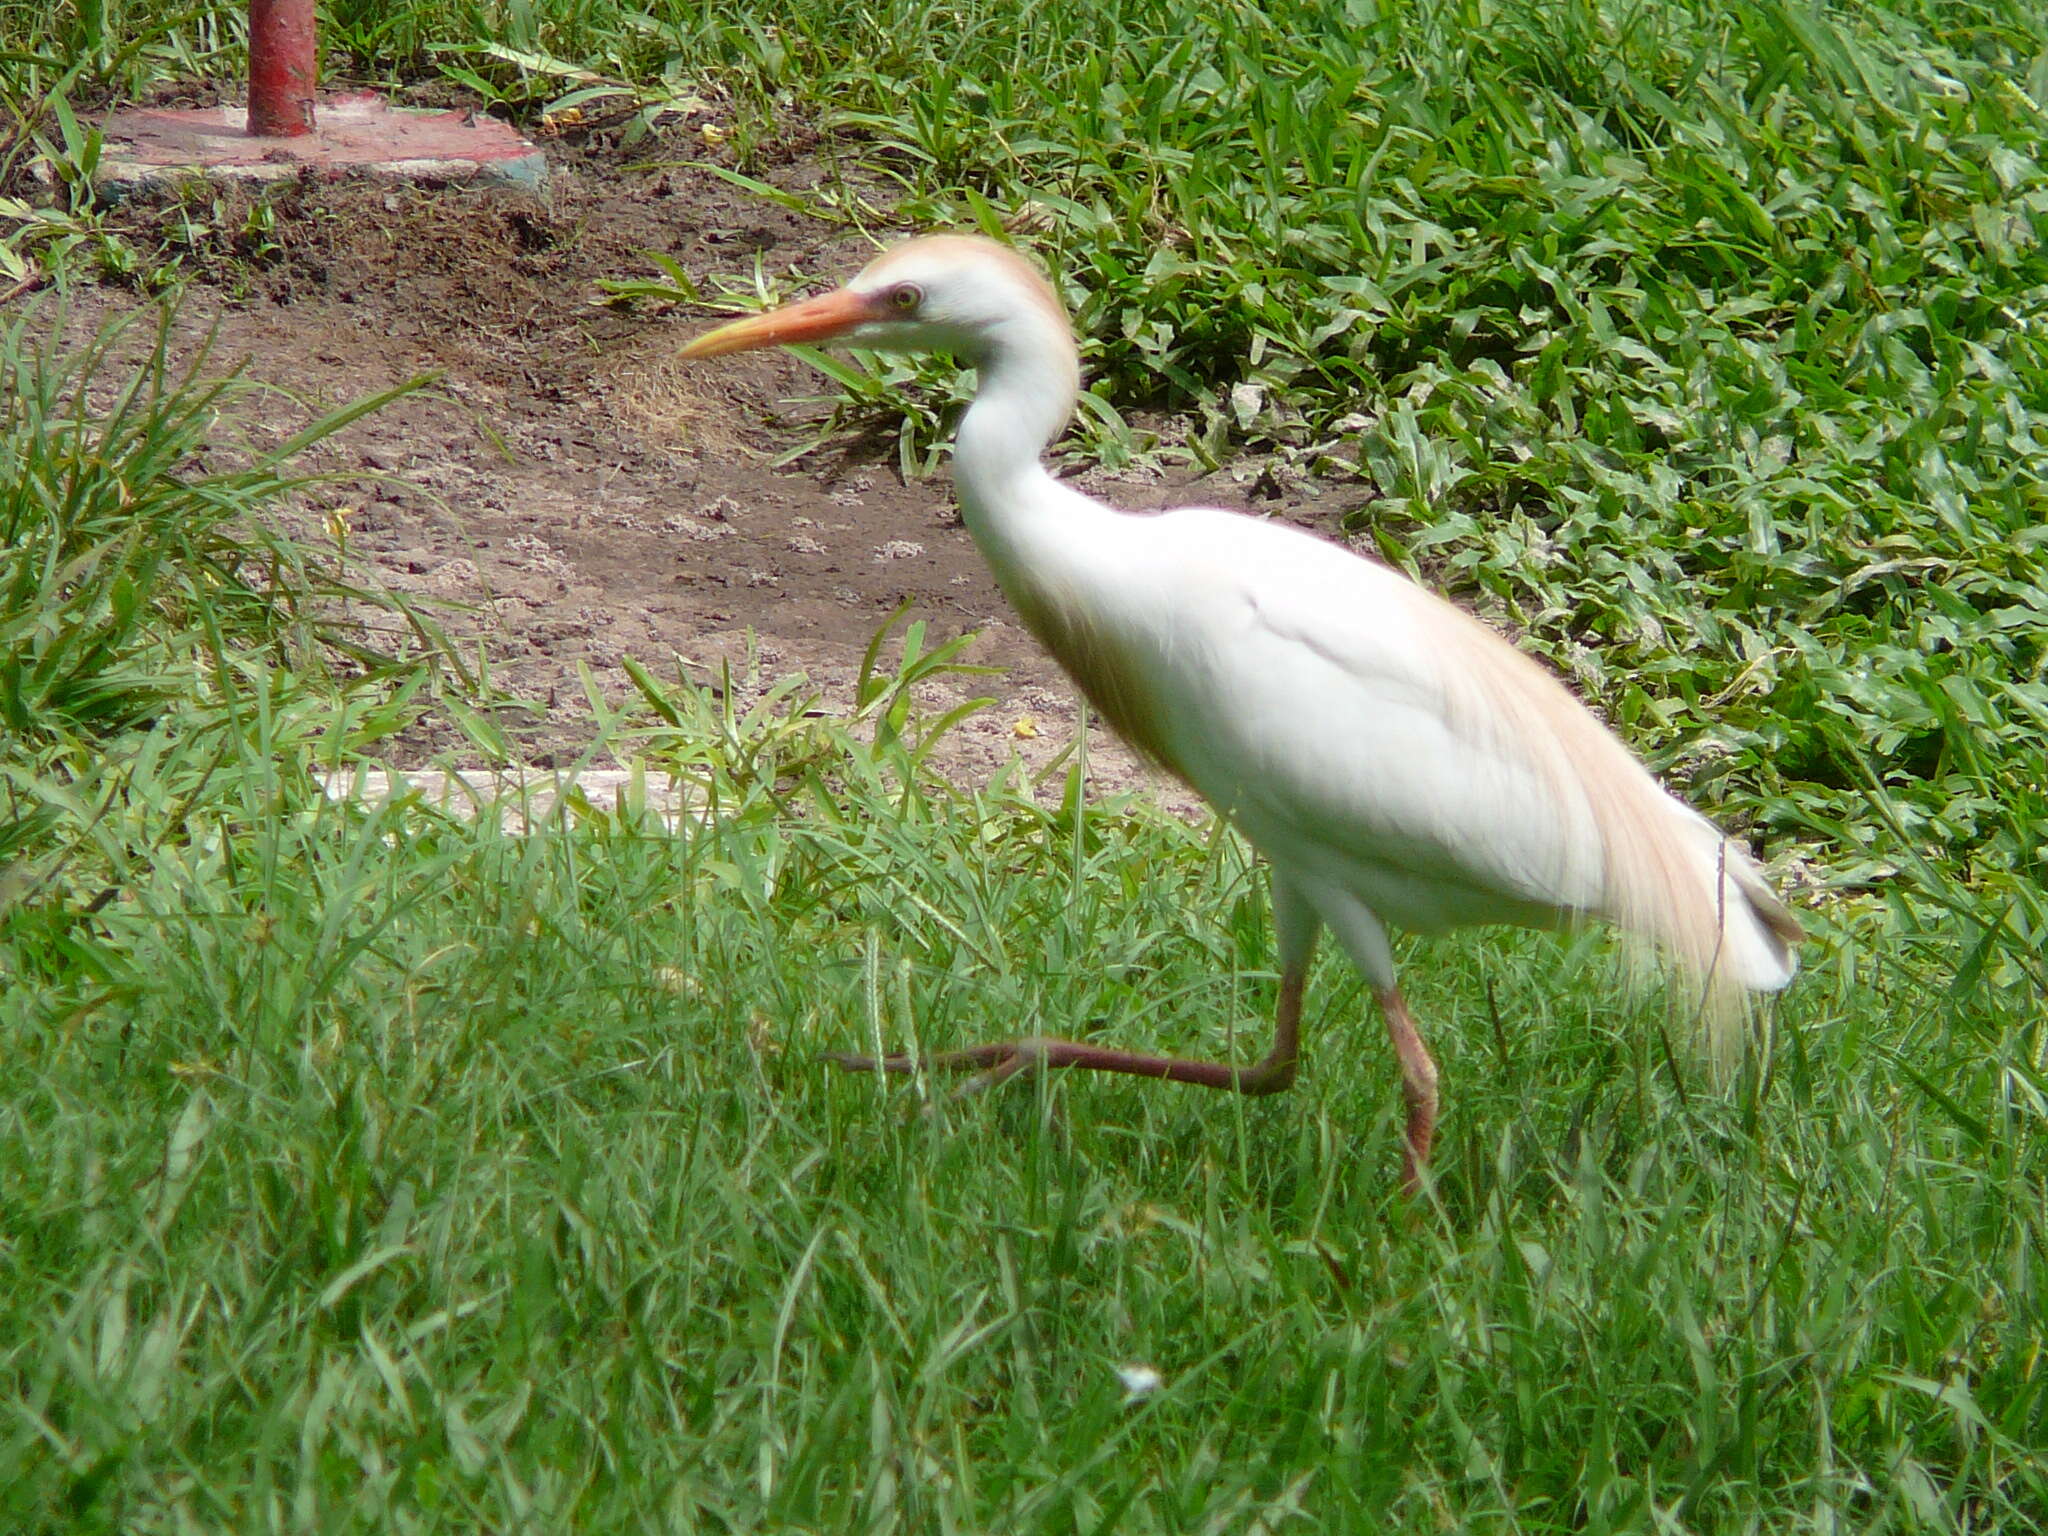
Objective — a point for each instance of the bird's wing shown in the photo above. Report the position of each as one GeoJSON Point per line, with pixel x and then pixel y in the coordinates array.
{"type": "Point", "coordinates": [1343, 715]}
{"type": "Point", "coordinates": [1367, 734]}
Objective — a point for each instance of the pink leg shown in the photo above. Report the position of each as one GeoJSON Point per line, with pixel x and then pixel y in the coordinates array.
{"type": "Point", "coordinates": [998, 1063]}
{"type": "Point", "coordinates": [1418, 1087]}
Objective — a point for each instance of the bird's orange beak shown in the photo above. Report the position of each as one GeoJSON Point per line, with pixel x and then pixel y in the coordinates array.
{"type": "Point", "coordinates": [819, 319]}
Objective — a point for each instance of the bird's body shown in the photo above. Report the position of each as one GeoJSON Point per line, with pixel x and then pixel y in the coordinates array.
{"type": "Point", "coordinates": [1395, 761]}
{"type": "Point", "coordinates": [1369, 737]}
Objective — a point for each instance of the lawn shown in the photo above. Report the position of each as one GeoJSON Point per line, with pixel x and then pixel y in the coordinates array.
{"type": "Point", "coordinates": [369, 1168]}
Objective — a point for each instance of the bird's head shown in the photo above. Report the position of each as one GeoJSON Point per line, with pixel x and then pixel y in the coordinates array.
{"type": "Point", "coordinates": [950, 293]}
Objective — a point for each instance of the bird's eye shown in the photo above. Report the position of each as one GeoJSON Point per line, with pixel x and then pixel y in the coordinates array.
{"type": "Point", "coordinates": [906, 297]}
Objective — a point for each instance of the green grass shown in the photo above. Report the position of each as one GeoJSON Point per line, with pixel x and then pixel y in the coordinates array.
{"type": "Point", "coordinates": [145, 603]}
{"type": "Point", "coordinates": [511, 1179]}
{"type": "Point", "coordinates": [365, 1170]}
{"type": "Point", "coordinates": [370, 1171]}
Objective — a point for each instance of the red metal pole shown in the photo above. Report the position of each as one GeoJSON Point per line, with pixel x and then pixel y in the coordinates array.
{"type": "Point", "coordinates": [281, 68]}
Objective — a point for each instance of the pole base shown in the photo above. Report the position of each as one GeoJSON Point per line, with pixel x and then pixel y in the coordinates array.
{"type": "Point", "coordinates": [358, 132]}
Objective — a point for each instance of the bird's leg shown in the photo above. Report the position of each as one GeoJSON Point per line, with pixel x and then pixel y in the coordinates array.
{"type": "Point", "coordinates": [1418, 1087]}
{"type": "Point", "coordinates": [998, 1063]}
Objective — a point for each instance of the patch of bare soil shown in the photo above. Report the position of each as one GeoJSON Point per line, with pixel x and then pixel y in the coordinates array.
{"type": "Point", "coordinates": [571, 491]}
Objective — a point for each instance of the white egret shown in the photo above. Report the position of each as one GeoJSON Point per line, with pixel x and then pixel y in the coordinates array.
{"type": "Point", "coordinates": [1395, 761]}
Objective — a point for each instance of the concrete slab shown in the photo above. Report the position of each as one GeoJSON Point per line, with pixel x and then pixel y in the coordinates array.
{"type": "Point", "coordinates": [522, 798]}
{"type": "Point", "coordinates": [355, 132]}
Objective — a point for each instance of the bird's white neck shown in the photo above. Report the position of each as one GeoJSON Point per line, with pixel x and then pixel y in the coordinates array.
{"type": "Point", "coordinates": [1027, 383]}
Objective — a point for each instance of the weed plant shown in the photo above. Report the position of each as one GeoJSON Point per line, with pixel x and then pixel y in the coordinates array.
{"type": "Point", "coordinates": [1705, 345]}
{"type": "Point", "coordinates": [141, 592]}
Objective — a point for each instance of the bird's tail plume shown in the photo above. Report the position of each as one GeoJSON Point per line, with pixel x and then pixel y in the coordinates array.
{"type": "Point", "coordinates": [1667, 874]}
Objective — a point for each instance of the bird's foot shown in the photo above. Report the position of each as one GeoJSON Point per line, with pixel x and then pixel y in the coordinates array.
{"type": "Point", "coordinates": [991, 1065]}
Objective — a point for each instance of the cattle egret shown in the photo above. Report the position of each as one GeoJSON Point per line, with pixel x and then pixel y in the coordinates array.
{"type": "Point", "coordinates": [1397, 763]}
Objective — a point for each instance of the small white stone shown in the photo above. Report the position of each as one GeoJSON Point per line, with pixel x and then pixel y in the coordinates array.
{"type": "Point", "coordinates": [1140, 1381]}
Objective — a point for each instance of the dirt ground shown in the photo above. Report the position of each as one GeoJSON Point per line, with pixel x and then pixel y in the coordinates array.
{"type": "Point", "coordinates": [567, 488]}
